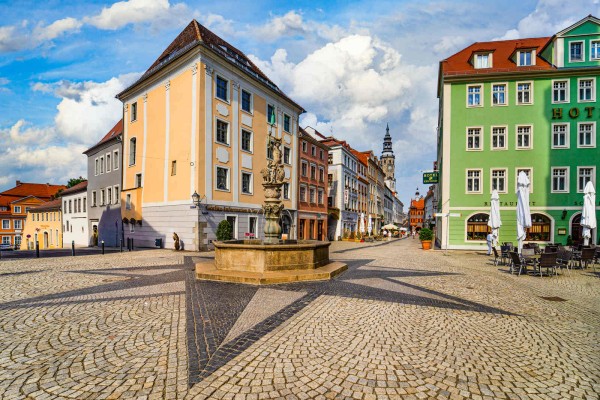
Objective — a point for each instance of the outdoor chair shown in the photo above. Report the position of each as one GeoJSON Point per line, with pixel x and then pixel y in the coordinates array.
{"type": "Point", "coordinates": [565, 259]}
{"type": "Point", "coordinates": [550, 249]}
{"type": "Point", "coordinates": [548, 260]}
{"type": "Point", "coordinates": [504, 250]}
{"type": "Point", "coordinates": [517, 262]}
{"type": "Point", "coordinates": [496, 256]}
{"type": "Point", "coordinates": [588, 254]}
{"type": "Point", "coordinates": [536, 248]}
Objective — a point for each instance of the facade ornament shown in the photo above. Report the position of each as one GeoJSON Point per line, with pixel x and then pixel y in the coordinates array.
{"type": "Point", "coordinates": [208, 69]}
{"type": "Point", "coordinates": [168, 85]}
{"type": "Point", "coordinates": [236, 85]}
{"type": "Point", "coordinates": [145, 97]}
{"type": "Point", "coordinates": [273, 177]}
{"type": "Point", "coordinates": [194, 68]}
{"type": "Point", "coordinates": [126, 107]}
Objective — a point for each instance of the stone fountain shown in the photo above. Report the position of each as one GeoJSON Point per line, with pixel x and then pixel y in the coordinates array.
{"type": "Point", "coordinates": [271, 260]}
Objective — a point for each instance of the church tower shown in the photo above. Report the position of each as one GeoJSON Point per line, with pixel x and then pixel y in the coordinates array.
{"type": "Point", "coordinates": [388, 161]}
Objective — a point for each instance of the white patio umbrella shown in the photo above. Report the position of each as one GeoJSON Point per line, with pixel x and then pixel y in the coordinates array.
{"type": "Point", "coordinates": [494, 221]}
{"type": "Point", "coordinates": [588, 215]}
{"type": "Point", "coordinates": [362, 223]}
{"type": "Point", "coordinates": [370, 226]}
{"type": "Point", "coordinates": [523, 212]}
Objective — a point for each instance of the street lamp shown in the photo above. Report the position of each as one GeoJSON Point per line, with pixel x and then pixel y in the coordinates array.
{"type": "Point", "coordinates": [197, 200]}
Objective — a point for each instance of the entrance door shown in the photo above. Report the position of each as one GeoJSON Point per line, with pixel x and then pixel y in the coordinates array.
{"type": "Point", "coordinates": [576, 229]}
{"type": "Point", "coordinates": [320, 230]}
{"type": "Point", "coordinates": [233, 222]}
{"type": "Point", "coordinates": [252, 226]}
{"type": "Point", "coordinates": [45, 240]}
{"type": "Point", "coordinates": [312, 229]}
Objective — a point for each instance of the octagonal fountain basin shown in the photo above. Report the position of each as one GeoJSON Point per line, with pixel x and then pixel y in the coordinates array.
{"type": "Point", "coordinates": [257, 262]}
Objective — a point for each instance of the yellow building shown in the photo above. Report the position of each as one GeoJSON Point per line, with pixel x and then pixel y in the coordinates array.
{"type": "Point", "coordinates": [43, 225]}
{"type": "Point", "coordinates": [198, 122]}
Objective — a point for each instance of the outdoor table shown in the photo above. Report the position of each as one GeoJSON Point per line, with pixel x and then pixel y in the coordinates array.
{"type": "Point", "coordinates": [532, 260]}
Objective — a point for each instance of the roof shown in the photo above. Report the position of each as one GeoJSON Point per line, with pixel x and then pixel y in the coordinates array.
{"type": "Point", "coordinates": [112, 134]}
{"type": "Point", "coordinates": [306, 135]}
{"type": "Point", "coordinates": [49, 205]}
{"type": "Point", "coordinates": [502, 52]}
{"type": "Point", "coordinates": [417, 203]}
{"type": "Point", "coordinates": [80, 187]}
{"type": "Point", "coordinates": [196, 34]}
{"type": "Point", "coordinates": [363, 157]}
{"type": "Point", "coordinates": [43, 191]}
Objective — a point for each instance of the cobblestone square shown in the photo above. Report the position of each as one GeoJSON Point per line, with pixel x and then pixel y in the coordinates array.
{"type": "Point", "coordinates": [401, 323]}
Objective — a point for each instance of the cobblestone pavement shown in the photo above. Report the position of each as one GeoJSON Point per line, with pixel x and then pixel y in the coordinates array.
{"type": "Point", "coordinates": [400, 323]}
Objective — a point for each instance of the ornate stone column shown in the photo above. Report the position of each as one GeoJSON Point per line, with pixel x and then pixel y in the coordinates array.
{"type": "Point", "coordinates": [273, 177]}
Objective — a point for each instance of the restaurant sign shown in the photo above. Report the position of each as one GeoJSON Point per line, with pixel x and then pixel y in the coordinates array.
{"type": "Point", "coordinates": [431, 177]}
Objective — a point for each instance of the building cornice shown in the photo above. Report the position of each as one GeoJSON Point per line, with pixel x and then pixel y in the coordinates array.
{"type": "Point", "coordinates": [554, 73]}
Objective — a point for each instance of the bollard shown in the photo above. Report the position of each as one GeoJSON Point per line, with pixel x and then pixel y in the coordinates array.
{"type": "Point", "coordinates": [73, 248]}
{"type": "Point", "coordinates": [37, 249]}
{"type": "Point", "coordinates": [103, 247]}
{"type": "Point", "coordinates": [131, 244]}
{"type": "Point", "coordinates": [121, 245]}
{"type": "Point", "coordinates": [128, 244]}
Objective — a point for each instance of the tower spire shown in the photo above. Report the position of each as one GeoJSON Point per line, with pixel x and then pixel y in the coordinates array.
{"type": "Point", "coordinates": [387, 143]}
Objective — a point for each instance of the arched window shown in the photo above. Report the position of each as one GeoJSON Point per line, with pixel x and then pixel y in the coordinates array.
{"type": "Point", "coordinates": [477, 228]}
{"type": "Point", "coordinates": [132, 149]}
{"type": "Point", "coordinates": [540, 228]}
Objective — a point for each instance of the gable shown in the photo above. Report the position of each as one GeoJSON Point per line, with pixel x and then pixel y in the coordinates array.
{"type": "Point", "coordinates": [588, 26]}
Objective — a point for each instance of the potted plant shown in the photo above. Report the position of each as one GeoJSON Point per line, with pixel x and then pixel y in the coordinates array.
{"type": "Point", "coordinates": [426, 235]}
{"type": "Point", "coordinates": [224, 231]}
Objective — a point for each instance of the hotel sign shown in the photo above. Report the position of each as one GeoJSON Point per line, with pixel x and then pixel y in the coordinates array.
{"type": "Point", "coordinates": [431, 177]}
{"type": "Point", "coordinates": [558, 113]}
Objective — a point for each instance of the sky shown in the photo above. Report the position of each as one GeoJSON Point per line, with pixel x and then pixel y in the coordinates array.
{"type": "Point", "coordinates": [355, 66]}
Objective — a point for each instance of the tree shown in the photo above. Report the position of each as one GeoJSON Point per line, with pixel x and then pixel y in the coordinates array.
{"type": "Point", "coordinates": [224, 230]}
{"type": "Point", "coordinates": [74, 181]}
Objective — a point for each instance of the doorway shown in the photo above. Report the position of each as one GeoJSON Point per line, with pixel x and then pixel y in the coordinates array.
{"type": "Point", "coordinates": [232, 219]}
{"type": "Point", "coordinates": [576, 229]}
{"type": "Point", "coordinates": [45, 240]}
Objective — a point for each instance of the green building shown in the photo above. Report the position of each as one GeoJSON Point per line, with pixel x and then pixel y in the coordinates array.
{"type": "Point", "coordinates": [518, 105]}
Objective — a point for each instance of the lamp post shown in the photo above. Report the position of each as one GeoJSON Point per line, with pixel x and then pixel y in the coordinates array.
{"type": "Point", "coordinates": [197, 200]}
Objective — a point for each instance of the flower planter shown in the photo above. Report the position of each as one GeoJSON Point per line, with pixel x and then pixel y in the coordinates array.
{"type": "Point", "coordinates": [426, 244]}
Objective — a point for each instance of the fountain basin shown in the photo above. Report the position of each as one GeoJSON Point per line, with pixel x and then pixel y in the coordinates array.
{"type": "Point", "coordinates": [256, 262]}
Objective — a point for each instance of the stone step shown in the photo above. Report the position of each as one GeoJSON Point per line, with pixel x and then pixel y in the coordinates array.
{"type": "Point", "coordinates": [207, 271]}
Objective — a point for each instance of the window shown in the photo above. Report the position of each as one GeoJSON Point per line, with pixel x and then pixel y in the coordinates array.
{"type": "Point", "coordinates": [138, 180]}
{"type": "Point", "coordinates": [132, 227]}
{"type": "Point", "coordinates": [313, 171]}
{"type": "Point", "coordinates": [102, 200]}
{"type": "Point", "coordinates": [6, 240]}
{"type": "Point", "coordinates": [246, 140]}
{"type": "Point", "coordinates": [115, 159]}
{"type": "Point", "coordinates": [222, 89]}
{"type": "Point", "coordinates": [483, 60]}
{"type": "Point", "coordinates": [560, 180]}
{"type": "Point", "coordinates": [269, 151]}
{"type": "Point", "coordinates": [586, 134]}
{"type": "Point", "coordinates": [540, 228]}
{"type": "Point", "coordinates": [115, 194]}
{"type": "Point", "coordinates": [474, 139]}
{"type": "Point", "coordinates": [477, 227]}
{"type": "Point", "coordinates": [108, 196]}
{"type": "Point", "coordinates": [222, 178]}
{"type": "Point", "coordinates": [474, 96]}
{"type": "Point", "coordinates": [524, 140]}
{"type": "Point", "coordinates": [128, 202]}
{"type": "Point", "coordinates": [17, 209]}
{"type": "Point", "coordinates": [286, 122]}
{"type": "Point", "coordinates": [286, 191]}
{"type": "Point", "coordinates": [313, 150]}
{"type": "Point", "coordinates": [134, 111]}
{"type": "Point", "coordinates": [560, 136]}
{"type": "Point", "coordinates": [499, 94]}
{"type": "Point", "coordinates": [473, 181]}
{"type": "Point", "coordinates": [287, 155]}
{"type": "Point", "coordinates": [132, 145]}
{"type": "Point", "coordinates": [108, 164]}
{"type": "Point", "coordinates": [85, 201]}
{"type": "Point", "coordinates": [321, 154]}
{"type": "Point", "coordinates": [271, 114]}
{"type": "Point", "coordinates": [560, 91]}
{"type": "Point", "coordinates": [304, 147]}
{"type": "Point", "coordinates": [17, 241]}
{"type": "Point", "coordinates": [302, 193]}
{"type": "Point", "coordinates": [526, 58]}
{"type": "Point", "coordinates": [595, 50]}
{"type": "Point", "coordinates": [312, 195]}
{"type": "Point", "coordinates": [524, 95]}
{"type": "Point", "coordinates": [94, 199]}
{"type": "Point", "coordinates": [101, 165]}
{"type": "Point", "coordinates": [79, 204]}
{"type": "Point", "coordinates": [252, 223]}
{"type": "Point", "coordinates": [6, 224]}
{"type": "Point", "coordinates": [587, 91]}
{"type": "Point", "coordinates": [585, 174]}
{"type": "Point", "coordinates": [304, 168]}
{"type": "Point", "coordinates": [222, 132]}
{"type": "Point", "coordinates": [246, 101]}
{"type": "Point", "coordinates": [321, 174]}
{"type": "Point", "coordinates": [320, 194]}
{"type": "Point", "coordinates": [498, 137]}
{"type": "Point", "coordinates": [18, 224]}
{"type": "Point", "coordinates": [529, 173]}
{"type": "Point", "coordinates": [576, 52]}
{"type": "Point", "coordinates": [499, 180]}
{"type": "Point", "coordinates": [246, 183]}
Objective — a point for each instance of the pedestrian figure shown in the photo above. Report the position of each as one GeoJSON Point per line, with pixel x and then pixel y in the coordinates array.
{"type": "Point", "coordinates": [490, 241]}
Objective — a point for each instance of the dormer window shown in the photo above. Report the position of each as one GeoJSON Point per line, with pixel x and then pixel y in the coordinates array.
{"type": "Point", "coordinates": [525, 58]}
{"type": "Point", "coordinates": [482, 60]}
{"type": "Point", "coordinates": [576, 52]}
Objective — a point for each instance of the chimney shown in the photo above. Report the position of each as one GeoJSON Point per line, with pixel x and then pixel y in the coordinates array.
{"type": "Point", "coordinates": [18, 183]}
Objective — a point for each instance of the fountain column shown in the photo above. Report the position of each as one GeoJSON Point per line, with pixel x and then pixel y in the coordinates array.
{"type": "Point", "coordinates": [273, 176]}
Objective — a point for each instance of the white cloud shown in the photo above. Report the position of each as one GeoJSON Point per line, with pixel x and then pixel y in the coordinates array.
{"type": "Point", "coordinates": [11, 39]}
{"type": "Point", "coordinates": [23, 133]}
{"type": "Point", "coordinates": [293, 24]}
{"type": "Point", "coordinates": [122, 13]}
{"type": "Point", "coordinates": [55, 29]}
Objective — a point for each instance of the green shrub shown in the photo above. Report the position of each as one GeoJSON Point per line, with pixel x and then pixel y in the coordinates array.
{"type": "Point", "coordinates": [425, 234]}
{"type": "Point", "coordinates": [224, 231]}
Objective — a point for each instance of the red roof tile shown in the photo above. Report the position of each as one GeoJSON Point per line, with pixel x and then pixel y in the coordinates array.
{"type": "Point", "coordinates": [502, 51]}
{"type": "Point", "coordinates": [80, 187]}
{"type": "Point", "coordinates": [114, 132]}
{"type": "Point", "coordinates": [42, 191]}
{"type": "Point", "coordinates": [49, 205]}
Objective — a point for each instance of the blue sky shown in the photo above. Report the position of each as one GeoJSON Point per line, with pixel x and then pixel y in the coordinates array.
{"type": "Point", "coordinates": [353, 65]}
